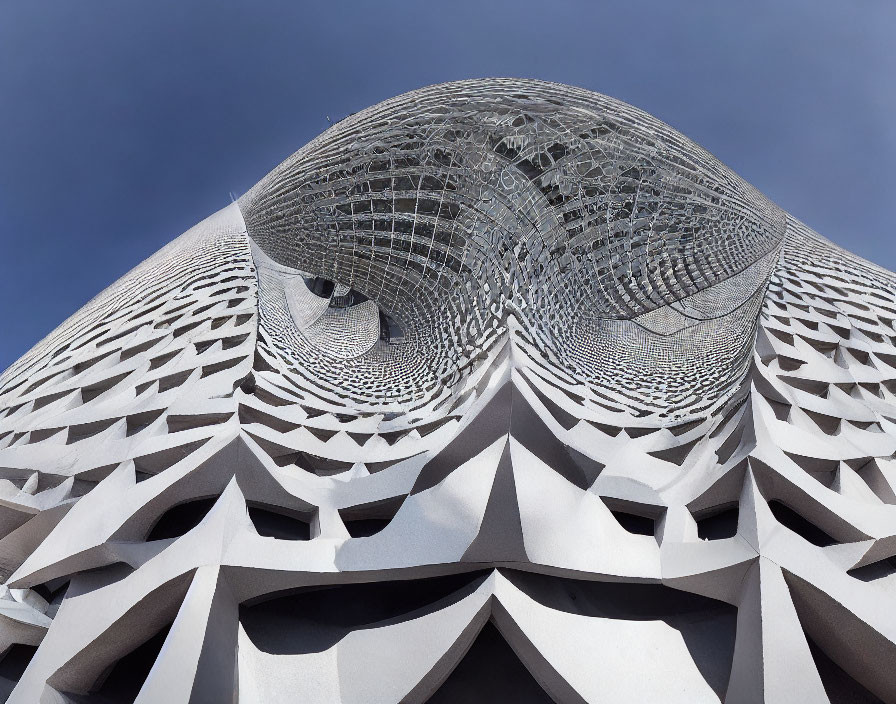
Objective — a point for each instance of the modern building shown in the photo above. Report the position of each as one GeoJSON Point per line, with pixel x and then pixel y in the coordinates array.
{"type": "Point", "coordinates": [497, 391]}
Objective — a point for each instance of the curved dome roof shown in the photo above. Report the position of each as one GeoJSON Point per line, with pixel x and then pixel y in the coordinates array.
{"type": "Point", "coordinates": [627, 251]}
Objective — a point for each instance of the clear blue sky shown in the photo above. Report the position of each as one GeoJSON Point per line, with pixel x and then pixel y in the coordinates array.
{"type": "Point", "coordinates": [124, 122]}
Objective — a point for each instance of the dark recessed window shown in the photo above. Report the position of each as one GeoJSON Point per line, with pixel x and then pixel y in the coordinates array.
{"type": "Point", "coordinates": [718, 524]}
{"type": "Point", "coordinates": [640, 525]}
{"type": "Point", "coordinates": [320, 287]}
{"type": "Point", "coordinates": [789, 518]}
{"type": "Point", "coordinates": [278, 524]}
{"type": "Point", "coordinates": [181, 519]}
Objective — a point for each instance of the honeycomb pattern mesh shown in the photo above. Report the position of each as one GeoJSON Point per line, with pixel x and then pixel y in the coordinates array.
{"type": "Point", "coordinates": [458, 206]}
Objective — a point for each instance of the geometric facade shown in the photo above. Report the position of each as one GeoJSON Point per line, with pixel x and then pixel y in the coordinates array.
{"type": "Point", "coordinates": [499, 390]}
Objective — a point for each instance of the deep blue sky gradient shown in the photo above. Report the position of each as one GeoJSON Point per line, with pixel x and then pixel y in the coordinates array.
{"type": "Point", "coordinates": [124, 122]}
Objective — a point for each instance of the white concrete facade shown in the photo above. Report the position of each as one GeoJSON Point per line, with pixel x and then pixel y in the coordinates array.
{"type": "Point", "coordinates": [497, 391]}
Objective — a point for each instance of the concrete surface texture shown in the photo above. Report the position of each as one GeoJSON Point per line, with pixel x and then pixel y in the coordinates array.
{"type": "Point", "coordinates": [499, 390]}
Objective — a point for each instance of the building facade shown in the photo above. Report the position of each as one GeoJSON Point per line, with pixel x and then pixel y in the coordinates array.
{"type": "Point", "coordinates": [499, 390]}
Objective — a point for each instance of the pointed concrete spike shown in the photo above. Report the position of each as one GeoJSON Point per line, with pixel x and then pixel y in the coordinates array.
{"type": "Point", "coordinates": [756, 524]}
{"type": "Point", "coordinates": [772, 661]}
{"type": "Point", "coordinates": [490, 423]}
{"type": "Point", "coordinates": [200, 650]}
{"type": "Point", "coordinates": [500, 537]}
{"type": "Point", "coordinates": [529, 429]}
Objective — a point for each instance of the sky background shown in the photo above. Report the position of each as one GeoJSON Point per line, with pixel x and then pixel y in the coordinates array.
{"type": "Point", "coordinates": [124, 122]}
